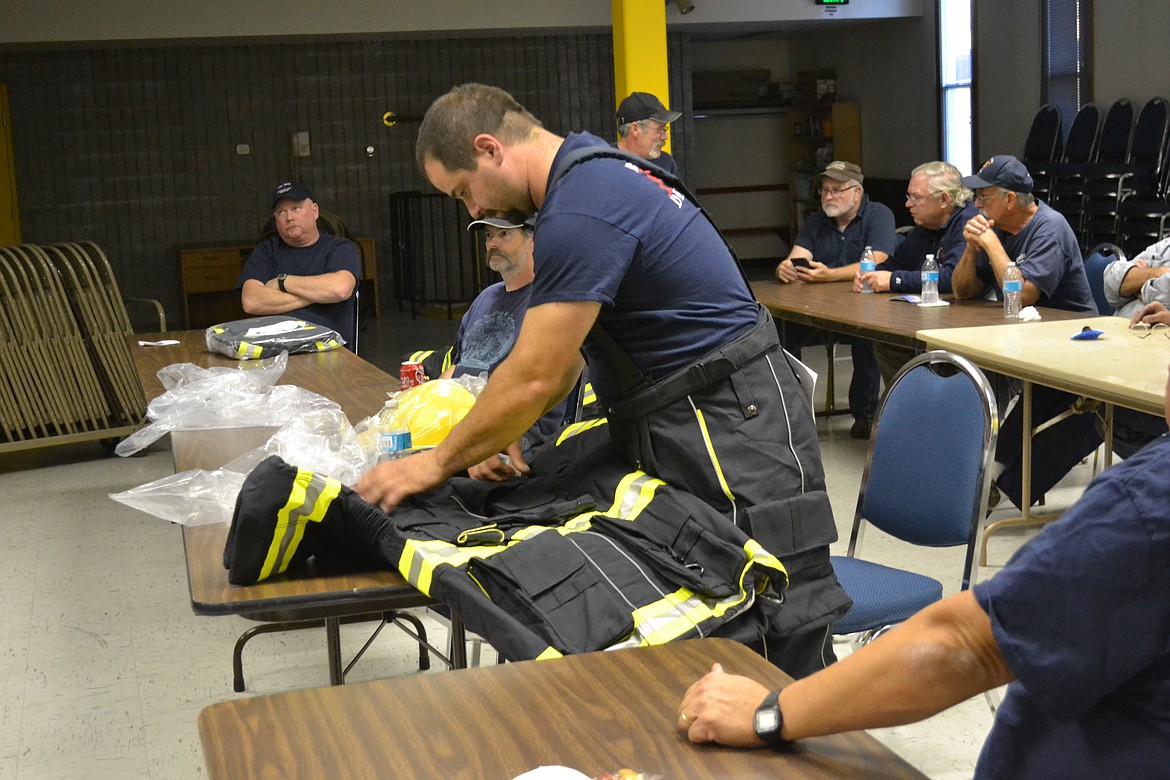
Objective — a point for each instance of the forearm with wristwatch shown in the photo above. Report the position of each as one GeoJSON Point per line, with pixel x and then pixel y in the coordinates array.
{"type": "Point", "coordinates": [768, 721]}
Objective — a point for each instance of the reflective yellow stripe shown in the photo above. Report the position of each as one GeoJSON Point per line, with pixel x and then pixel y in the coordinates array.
{"type": "Point", "coordinates": [305, 493]}
{"type": "Point", "coordinates": [634, 493]}
{"type": "Point", "coordinates": [420, 559]}
{"type": "Point", "coordinates": [711, 454]}
{"type": "Point", "coordinates": [588, 396]}
{"type": "Point", "coordinates": [420, 356]}
{"type": "Point", "coordinates": [447, 359]}
{"type": "Point", "coordinates": [246, 351]}
{"type": "Point", "coordinates": [576, 428]}
{"type": "Point", "coordinates": [549, 652]}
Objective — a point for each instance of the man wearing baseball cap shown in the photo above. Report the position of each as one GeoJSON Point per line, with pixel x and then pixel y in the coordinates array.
{"type": "Point", "coordinates": [828, 248]}
{"type": "Point", "coordinates": [1012, 226]}
{"type": "Point", "coordinates": [300, 269]}
{"type": "Point", "coordinates": [642, 123]}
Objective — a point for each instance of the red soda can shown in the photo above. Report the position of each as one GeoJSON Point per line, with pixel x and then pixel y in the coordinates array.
{"type": "Point", "coordinates": [411, 374]}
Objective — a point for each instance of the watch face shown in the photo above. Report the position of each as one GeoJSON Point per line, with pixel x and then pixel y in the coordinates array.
{"type": "Point", "coordinates": [767, 721]}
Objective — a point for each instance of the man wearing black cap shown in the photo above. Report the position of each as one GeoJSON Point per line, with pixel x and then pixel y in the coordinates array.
{"type": "Point", "coordinates": [300, 269]}
{"type": "Point", "coordinates": [642, 121]}
{"type": "Point", "coordinates": [1013, 226]}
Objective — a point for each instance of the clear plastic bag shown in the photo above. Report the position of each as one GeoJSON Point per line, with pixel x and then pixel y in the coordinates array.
{"type": "Point", "coordinates": [202, 398]}
{"type": "Point", "coordinates": [322, 441]}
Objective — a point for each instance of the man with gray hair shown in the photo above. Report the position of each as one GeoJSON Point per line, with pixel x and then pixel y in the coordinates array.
{"type": "Point", "coordinates": [940, 206]}
{"type": "Point", "coordinates": [1012, 226]}
{"type": "Point", "coordinates": [642, 123]}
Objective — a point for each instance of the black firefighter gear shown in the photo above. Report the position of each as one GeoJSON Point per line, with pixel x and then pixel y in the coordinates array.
{"type": "Point", "coordinates": [736, 430]}
{"type": "Point", "coordinates": [586, 555]}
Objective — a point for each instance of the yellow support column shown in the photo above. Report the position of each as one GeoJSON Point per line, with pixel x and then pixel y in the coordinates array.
{"type": "Point", "coordinates": [639, 50]}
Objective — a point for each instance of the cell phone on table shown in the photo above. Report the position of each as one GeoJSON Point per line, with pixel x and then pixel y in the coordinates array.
{"type": "Point", "coordinates": [800, 262]}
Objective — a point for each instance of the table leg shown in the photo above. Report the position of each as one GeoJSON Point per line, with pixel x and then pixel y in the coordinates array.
{"type": "Point", "coordinates": [1026, 517]}
{"type": "Point", "coordinates": [458, 643]}
{"type": "Point", "coordinates": [333, 644]}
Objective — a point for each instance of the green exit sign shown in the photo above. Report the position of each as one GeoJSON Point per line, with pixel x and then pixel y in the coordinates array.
{"type": "Point", "coordinates": [831, 2]}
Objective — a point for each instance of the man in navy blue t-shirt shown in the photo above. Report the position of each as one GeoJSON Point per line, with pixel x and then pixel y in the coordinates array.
{"type": "Point", "coordinates": [1078, 622]}
{"type": "Point", "coordinates": [697, 391]}
{"type": "Point", "coordinates": [1013, 226]}
{"type": "Point", "coordinates": [300, 270]}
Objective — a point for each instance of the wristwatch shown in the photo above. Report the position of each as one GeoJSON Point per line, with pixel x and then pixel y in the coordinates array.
{"type": "Point", "coordinates": [768, 720]}
{"type": "Point", "coordinates": [280, 282]}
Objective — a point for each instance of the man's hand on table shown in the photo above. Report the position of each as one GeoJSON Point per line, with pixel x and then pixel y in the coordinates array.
{"type": "Point", "coordinates": [879, 281]}
{"type": "Point", "coordinates": [786, 272]}
{"type": "Point", "coordinates": [388, 484]}
{"type": "Point", "coordinates": [815, 272]}
{"type": "Point", "coordinates": [719, 708]}
{"type": "Point", "coordinates": [504, 466]}
{"type": "Point", "coordinates": [1152, 313]}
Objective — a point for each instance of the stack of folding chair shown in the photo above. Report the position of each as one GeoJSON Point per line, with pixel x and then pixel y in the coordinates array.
{"type": "Point", "coordinates": [67, 371]}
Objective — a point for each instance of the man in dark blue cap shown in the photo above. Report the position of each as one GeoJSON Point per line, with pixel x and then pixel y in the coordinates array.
{"type": "Point", "coordinates": [301, 270]}
{"type": "Point", "coordinates": [642, 123]}
{"type": "Point", "coordinates": [1012, 226]}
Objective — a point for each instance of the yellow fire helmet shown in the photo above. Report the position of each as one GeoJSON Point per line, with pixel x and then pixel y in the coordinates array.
{"type": "Point", "coordinates": [431, 410]}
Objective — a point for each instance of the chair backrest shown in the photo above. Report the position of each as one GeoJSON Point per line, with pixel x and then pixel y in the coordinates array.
{"type": "Point", "coordinates": [927, 472]}
{"type": "Point", "coordinates": [1044, 142]}
{"type": "Point", "coordinates": [1113, 145]}
{"type": "Point", "coordinates": [1148, 145]}
{"type": "Point", "coordinates": [1081, 144]}
{"type": "Point", "coordinates": [1101, 256]}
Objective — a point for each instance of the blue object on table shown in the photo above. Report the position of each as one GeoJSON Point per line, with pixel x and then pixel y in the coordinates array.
{"type": "Point", "coordinates": [1088, 334]}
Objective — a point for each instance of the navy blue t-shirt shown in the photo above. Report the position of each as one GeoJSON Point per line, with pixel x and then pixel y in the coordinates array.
{"type": "Point", "coordinates": [873, 225]}
{"type": "Point", "coordinates": [946, 244]}
{"type": "Point", "coordinates": [273, 257]}
{"type": "Point", "coordinates": [1052, 262]}
{"type": "Point", "coordinates": [1081, 615]}
{"type": "Point", "coordinates": [670, 290]}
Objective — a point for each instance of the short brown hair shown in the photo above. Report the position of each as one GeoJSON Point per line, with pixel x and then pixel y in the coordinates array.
{"type": "Point", "coordinates": [455, 119]}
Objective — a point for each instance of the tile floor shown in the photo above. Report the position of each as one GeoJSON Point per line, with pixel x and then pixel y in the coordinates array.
{"type": "Point", "coordinates": [104, 668]}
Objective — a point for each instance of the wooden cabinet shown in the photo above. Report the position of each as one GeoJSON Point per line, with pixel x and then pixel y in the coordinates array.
{"type": "Point", "coordinates": [209, 273]}
{"type": "Point", "coordinates": [818, 134]}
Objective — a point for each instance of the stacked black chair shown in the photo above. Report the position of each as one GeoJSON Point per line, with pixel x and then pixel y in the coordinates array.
{"type": "Point", "coordinates": [1068, 182]}
{"type": "Point", "coordinates": [1080, 147]}
{"type": "Point", "coordinates": [1140, 176]}
{"type": "Point", "coordinates": [1044, 143]}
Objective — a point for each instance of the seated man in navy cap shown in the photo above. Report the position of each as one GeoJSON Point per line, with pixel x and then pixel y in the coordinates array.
{"type": "Point", "coordinates": [301, 271]}
{"type": "Point", "coordinates": [642, 129]}
{"type": "Point", "coordinates": [1012, 226]}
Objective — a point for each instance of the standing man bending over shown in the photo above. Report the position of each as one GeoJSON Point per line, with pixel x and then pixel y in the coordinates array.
{"type": "Point", "coordinates": [300, 269]}
{"type": "Point", "coordinates": [698, 392]}
{"type": "Point", "coordinates": [828, 249]}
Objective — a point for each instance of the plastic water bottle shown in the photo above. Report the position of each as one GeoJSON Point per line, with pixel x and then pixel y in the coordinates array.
{"type": "Point", "coordinates": [929, 280]}
{"type": "Point", "coordinates": [868, 263]}
{"type": "Point", "coordinates": [1013, 289]}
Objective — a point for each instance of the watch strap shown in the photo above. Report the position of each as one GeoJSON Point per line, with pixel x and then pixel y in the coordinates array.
{"type": "Point", "coordinates": [771, 704]}
{"type": "Point", "coordinates": [280, 282]}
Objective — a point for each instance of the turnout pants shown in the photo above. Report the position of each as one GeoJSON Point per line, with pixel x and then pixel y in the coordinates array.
{"type": "Point", "coordinates": [736, 430]}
